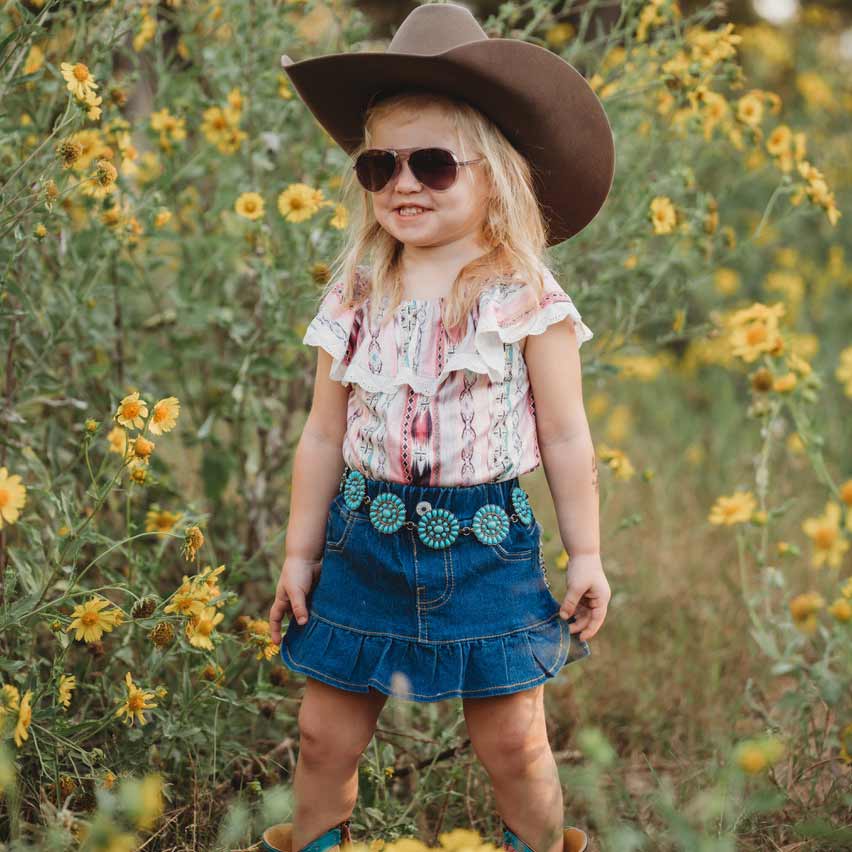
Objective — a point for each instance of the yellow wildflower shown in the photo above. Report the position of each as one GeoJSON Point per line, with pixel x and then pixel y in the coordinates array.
{"type": "Point", "coordinates": [161, 521]}
{"type": "Point", "coordinates": [754, 330]}
{"type": "Point", "coordinates": [91, 622]}
{"type": "Point", "coordinates": [170, 127]}
{"type": "Point", "coordinates": [236, 100]}
{"type": "Point", "coordinates": [459, 839]}
{"type": "Point", "coordinates": [299, 202]}
{"type": "Point", "coordinates": [662, 214]}
{"type": "Point", "coordinates": [841, 609]}
{"type": "Point", "coordinates": [145, 33]}
{"type": "Point", "coordinates": [200, 628]}
{"type": "Point", "coordinates": [93, 104]}
{"type": "Point", "coordinates": [164, 415]}
{"type": "Point", "coordinates": [341, 217]}
{"type": "Point", "coordinates": [726, 280]}
{"type": "Point", "coordinates": [13, 497]}
{"type": "Point", "coordinates": [736, 509]}
{"type": "Point", "coordinates": [25, 716]}
{"type": "Point", "coordinates": [784, 384]}
{"type": "Point", "coordinates": [135, 702]}
{"type": "Point", "coordinates": [79, 79]}
{"type": "Point", "coordinates": [843, 373]}
{"type": "Point", "coordinates": [67, 684]}
{"type": "Point", "coordinates": [617, 461]}
{"type": "Point", "coordinates": [220, 126]}
{"type": "Point", "coordinates": [186, 600]}
{"type": "Point", "coordinates": [779, 142]}
{"type": "Point", "coordinates": [750, 109]}
{"type": "Point", "coordinates": [141, 448]}
{"type": "Point", "coordinates": [802, 367]}
{"type": "Point", "coordinates": [149, 802]}
{"type": "Point", "coordinates": [803, 610]}
{"type": "Point", "coordinates": [826, 536]}
{"type": "Point", "coordinates": [559, 35]}
{"type": "Point", "coordinates": [250, 205]}
{"type": "Point", "coordinates": [132, 411]}
{"type": "Point", "coordinates": [35, 60]}
{"type": "Point", "coordinates": [117, 439]}
{"type": "Point", "coordinates": [10, 701]}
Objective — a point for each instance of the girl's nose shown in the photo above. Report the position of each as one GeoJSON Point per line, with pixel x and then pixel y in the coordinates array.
{"type": "Point", "coordinates": [406, 176]}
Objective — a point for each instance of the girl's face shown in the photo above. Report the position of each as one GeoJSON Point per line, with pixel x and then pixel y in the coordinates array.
{"type": "Point", "coordinates": [453, 215]}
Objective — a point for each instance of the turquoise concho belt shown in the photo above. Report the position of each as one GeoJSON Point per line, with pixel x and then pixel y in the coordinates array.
{"type": "Point", "coordinates": [436, 528]}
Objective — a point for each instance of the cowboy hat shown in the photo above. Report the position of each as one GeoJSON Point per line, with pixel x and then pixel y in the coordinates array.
{"type": "Point", "coordinates": [541, 103]}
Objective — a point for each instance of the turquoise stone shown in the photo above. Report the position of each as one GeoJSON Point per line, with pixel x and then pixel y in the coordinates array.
{"type": "Point", "coordinates": [521, 504]}
{"type": "Point", "coordinates": [438, 528]}
{"type": "Point", "coordinates": [387, 513]}
{"type": "Point", "coordinates": [355, 489]}
{"type": "Point", "coordinates": [490, 524]}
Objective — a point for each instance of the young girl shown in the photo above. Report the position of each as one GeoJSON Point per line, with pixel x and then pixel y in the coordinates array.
{"type": "Point", "coordinates": [448, 366]}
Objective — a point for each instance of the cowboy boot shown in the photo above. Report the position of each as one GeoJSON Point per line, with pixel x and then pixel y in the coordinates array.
{"type": "Point", "coordinates": [279, 838]}
{"type": "Point", "coordinates": [573, 840]}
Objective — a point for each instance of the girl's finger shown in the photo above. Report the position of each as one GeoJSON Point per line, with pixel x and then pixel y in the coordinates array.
{"type": "Point", "coordinates": [598, 616]}
{"type": "Point", "coordinates": [581, 622]}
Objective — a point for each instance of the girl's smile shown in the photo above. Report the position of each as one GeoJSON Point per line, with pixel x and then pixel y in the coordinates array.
{"type": "Point", "coordinates": [411, 213]}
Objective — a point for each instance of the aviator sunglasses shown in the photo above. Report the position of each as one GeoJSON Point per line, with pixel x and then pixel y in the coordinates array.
{"type": "Point", "coordinates": [436, 168]}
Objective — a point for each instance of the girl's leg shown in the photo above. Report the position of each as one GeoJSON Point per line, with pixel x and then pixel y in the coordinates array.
{"type": "Point", "coordinates": [335, 726]}
{"type": "Point", "coordinates": [509, 736]}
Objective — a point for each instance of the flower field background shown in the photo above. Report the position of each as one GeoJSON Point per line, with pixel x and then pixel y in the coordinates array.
{"type": "Point", "coordinates": [169, 213]}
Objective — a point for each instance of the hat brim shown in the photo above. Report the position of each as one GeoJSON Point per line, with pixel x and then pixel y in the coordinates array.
{"type": "Point", "coordinates": [543, 105]}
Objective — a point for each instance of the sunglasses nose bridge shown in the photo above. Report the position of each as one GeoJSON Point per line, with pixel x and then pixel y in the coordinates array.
{"type": "Point", "coordinates": [401, 165]}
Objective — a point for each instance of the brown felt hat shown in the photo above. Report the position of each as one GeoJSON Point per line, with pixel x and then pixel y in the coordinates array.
{"type": "Point", "coordinates": [542, 103]}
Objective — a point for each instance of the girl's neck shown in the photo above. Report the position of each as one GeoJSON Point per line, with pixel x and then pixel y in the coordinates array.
{"type": "Point", "coordinates": [430, 277]}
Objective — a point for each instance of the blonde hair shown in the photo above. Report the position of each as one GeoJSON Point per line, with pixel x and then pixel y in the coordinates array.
{"type": "Point", "coordinates": [513, 227]}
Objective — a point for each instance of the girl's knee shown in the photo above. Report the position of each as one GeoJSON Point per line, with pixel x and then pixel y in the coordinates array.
{"type": "Point", "coordinates": [514, 752]}
{"type": "Point", "coordinates": [325, 740]}
{"type": "Point", "coordinates": [508, 736]}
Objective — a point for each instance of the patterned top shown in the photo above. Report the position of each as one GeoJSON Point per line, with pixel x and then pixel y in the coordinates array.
{"type": "Point", "coordinates": [426, 410]}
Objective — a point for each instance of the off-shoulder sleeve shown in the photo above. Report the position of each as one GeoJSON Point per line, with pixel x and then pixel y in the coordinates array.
{"type": "Point", "coordinates": [509, 313]}
{"type": "Point", "coordinates": [335, 328]}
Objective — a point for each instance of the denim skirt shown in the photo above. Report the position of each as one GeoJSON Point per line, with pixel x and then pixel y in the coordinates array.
{"type": "Point", "coordinates": [425, 623]}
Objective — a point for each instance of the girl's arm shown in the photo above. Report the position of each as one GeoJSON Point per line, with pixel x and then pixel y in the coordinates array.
{"type": "Point", "coordinates": [553, 363]}
{"type": "Point", "coordinates": [568, 456]}
{"type": "Point", "coordinates": [317, 465]}
{"type": "Point", "coordinates": [317, 468]}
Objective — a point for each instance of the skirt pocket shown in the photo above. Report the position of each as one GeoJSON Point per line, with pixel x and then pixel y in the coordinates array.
{"type": "Point", "coordinates": [339, 525]}
{"type": "Point", "coordinates": [519, 545]}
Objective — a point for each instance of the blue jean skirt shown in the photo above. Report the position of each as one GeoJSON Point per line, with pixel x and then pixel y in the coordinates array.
{"type": "Point", "coordinates": [424, 622]}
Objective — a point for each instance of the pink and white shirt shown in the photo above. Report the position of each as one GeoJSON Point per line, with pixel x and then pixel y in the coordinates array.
{"type": "Point", "coordinates": [426, 410]}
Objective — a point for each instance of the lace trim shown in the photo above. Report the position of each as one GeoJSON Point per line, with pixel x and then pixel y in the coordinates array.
{"type": "Point", "coordinates": [490, 336]}
{"type": "Point", "coordinates": [425, 385]}
{"type": "Point", "coordinates": [486, 357]}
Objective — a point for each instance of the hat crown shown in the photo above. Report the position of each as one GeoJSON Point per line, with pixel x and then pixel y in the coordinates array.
{"type": "Point", "coordinates": [434, 29]}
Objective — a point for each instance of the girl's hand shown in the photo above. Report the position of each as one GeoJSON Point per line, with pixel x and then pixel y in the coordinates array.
{"type": "Point", "coordinates": [587, 595]}
{"type": "Point", "coordinates": [294, 585]}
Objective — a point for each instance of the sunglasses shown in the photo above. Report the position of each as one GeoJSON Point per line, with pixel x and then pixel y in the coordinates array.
{"type": "Point", "coordinates": [436, 168]}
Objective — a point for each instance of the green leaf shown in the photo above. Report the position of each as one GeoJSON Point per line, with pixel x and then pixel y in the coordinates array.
{"type": "Point", "coordinates": [215, 471]}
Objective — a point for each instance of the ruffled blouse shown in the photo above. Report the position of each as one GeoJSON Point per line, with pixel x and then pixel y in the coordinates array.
{"type": "Point", "coordinates": [427, 409]}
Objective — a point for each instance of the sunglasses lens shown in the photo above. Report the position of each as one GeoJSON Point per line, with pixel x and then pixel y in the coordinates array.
{"type": "Point", "coordinates": [435, 167]}
{"type": "Point", "coordinates": [374, 169]}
